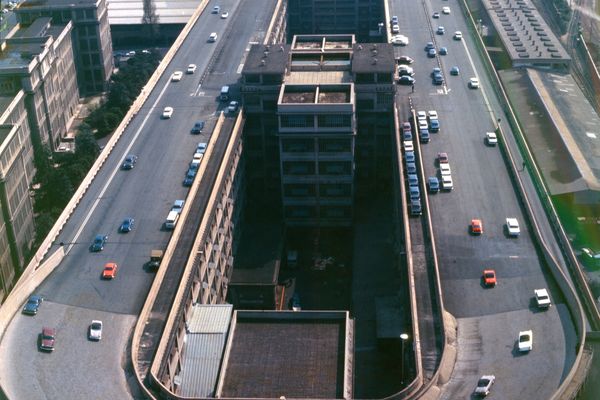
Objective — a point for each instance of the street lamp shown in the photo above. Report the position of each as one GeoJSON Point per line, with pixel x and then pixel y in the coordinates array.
{"type": "Point", "coordinates": [403, 338]}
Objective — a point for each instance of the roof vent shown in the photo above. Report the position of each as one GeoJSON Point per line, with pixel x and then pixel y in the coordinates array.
{"type": "Point", "coordinates": [374, 61]}
{"type": "Point", "coordinates": [374, 52]}
{"type": "Point", "coordinates": [263, 62]}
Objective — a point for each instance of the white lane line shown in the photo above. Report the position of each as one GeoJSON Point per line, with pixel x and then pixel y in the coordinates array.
{"type": "Point", "coordinates": [109, 180]}
{"type": "Point", "coordinates": [239, 70]}
{"type": "Point", "coordinates": [195, 94]}
{"type": "Point", "coordinates": [485, 98]}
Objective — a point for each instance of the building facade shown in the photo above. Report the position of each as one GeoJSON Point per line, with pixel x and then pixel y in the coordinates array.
{"type": "Point", "coordinates": [38, 59]}
{"type": "Point", "coordinates": [17, 231]}
{"type": "Point", "coordinates": [304, 104]}
{"type": "Point", "coordinates": [92, 47]}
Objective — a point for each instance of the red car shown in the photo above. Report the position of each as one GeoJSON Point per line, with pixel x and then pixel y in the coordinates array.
{"type": "Point", "coordinates": [47, 339]}
{"type": "Point", "coordinates": [489, 277]}
{"type": "Point", "coordinates": [476, 227]}
{"type": "Point", "coordinates": [442, 158]}
{"type": "Point", "coordinates": [406, 127]}
{"type": "Point", "coordinates": [110, 271]}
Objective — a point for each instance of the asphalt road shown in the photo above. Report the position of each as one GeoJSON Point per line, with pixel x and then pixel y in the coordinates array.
{"type": "Point", "coordinates": [489, 320]}
{"type": "Point", "coordinates": [74, 293]}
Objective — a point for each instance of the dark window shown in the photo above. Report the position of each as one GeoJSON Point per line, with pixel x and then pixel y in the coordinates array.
{"type": "Point", "coordinates": [297, 121]}
{"type": "Point", "coordinates": [335, 121]}
{"type": "Point", "coordinates": [297, 145]}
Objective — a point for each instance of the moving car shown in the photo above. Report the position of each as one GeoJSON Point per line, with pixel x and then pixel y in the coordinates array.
{"type": "Point", "coordinates": [127, 225]}
{"type": "Point", "coordinates": [443, 51]}
{"type": "Point", "coordinates": [395, 29]}
{"type": "Point", "coordinates": [110, 271]}
{"type": "Point", "coordinates": [191, 68]}
{"type": "Point", "coordinates": [224, 15]}
{"type": "Point", "coordinates": [176, 77]}
{"type": "Point", "coordinates": [99, 242]}
{"type": "Point", "coordinates": [32, 305]}
{"type": "Point", "coordinates": [435, 15]}
{"type": "Point", "coordinates": [47, 339]}
{"type": "Point", "coordinates": [198, 126]}
{"type": "Point", "coordinates": [431, 53]}
{"type": "Point", "coordinates": [446, 10]}
{"type": "Point", "coordinates": [233, 107]}
{"type": "Point", "coordinates": [432, 114]}
{"type": "Point", "coordinates": [394, 20]}
{"type": "Point", "coordinates": [422, 124]}
{"type": "Point", "coordinates": [213, 37]}
{"type": "Point", "coordinates": [406, 80]}
{"type": "Point", "coordinates": [457, 35]}
{"type": "Point", "coordinates": [473, 83]}
{"type": "Point", "coordinates": [542, 298]}
{"type": "Point", "coordinates": [440, 30]}
{"type": "Point", "coordinates": [167, 112]}
{"type": "Point", "coordinates": [129, 162]}
{"type": "Point", "coordinates": [484, 385]}
{"type": "Point", "coordinates": [454, 71]}
{"type": "Point", "coordinates": [95, 330]}
{"type": "Point", "coordinates": [405, 60]}
{"type": "Point", "coordinates": [216, 10]}
{"type": "Point", "coordinates": [433, 184]}
{"type": "Point", "coordinates": [525, 341]}
{"type": "Point", "coordinates": [512, 226]}
{"type": "Point", "coordinates": [447, 183]}
{"type": "Point", "coordinates": [489, 277]}
{"type": "Point", "coordinates": [491, 139]}
{"type": "Point", "coordinates": [476, 227]}
{"type": "Point", "coordinates": [438, 79]}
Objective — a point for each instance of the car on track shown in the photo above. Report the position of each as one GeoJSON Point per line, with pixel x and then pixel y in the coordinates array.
{"type": "Point", "coordinates": [455, 71]}
{"type": "Point", "coordinates": [127, 225]}
{"type": "Point", "coordinates": [445, 169]}
{"type": "Point", "coordinates": [433, 184]}
{"type": "Point", "coordinates": [191, 69]}
{"type": "Point", "coordinates": [98, 243]}
{"type": "Point", "coordinates": [33, 304]}
{"type": "Point", "coordinates": [525, 341]}
{"type": "Point", "coordinates": [129, 162]}
{"type": "Point", "coordinates": [476, 227]}
{"type": "Point", "coordinates": [473, 83]}
{"type": "Point", "coordinates": [47, 339]}
{"type": "Point", "coordinates": [198, 126]}
{"type": "Point", "coordinates": [176, 77]}
{"type": "Point", "coordinates": [432, 114]}
{"type": "Point", "coordinates": [404, 60]}
{"type": "Point", "coordinates": [95, 330]}
{"type": "Point", "coordinates": [512, 227]}
{"type": "Point", "coordinates": [484, 385]}
{"type": "Point", "coordinates": [491, 139]}
{"type": "Point", "coordinates": [110, 270]}
{"type": "Point", "coordinates": [458, 35]}
{"type": "Point", "coordinates": [438, 79]}
{"type": "Point", "coordinates": [395, 29]}
{"type": "Point", "coordinates": [167, 112]}
{"type": "Point", "coordinates": [406, 80]}
{"type": "Point", "coordinates": [447, 183]}
{"type": "Point", "coordinates": [442, 158]}
{"type": "Point", "coordinates": [489, 277]}
{"type": "Point", "coordinates": [542, 298]}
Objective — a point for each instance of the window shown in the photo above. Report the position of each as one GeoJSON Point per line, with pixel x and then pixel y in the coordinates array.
{"type": "Point", "coordinates": [297, 145]}
{"type": "Point", "coordinates": [252, 78]}
{"type": "Point", "coordinates": [335, 167]}
{"type": "Point", "coordinates": [335, 190]}
{"type": "Point", "coordinates": [299, 190]}
{"type": "Point", "coordinates": [335, 145]}
{"type": "Point", "coordinates": [335, 121]}
{"type": "Point", "coordinates": [296, 121]}
{"type": "Point", "coordinates": [298, 168]}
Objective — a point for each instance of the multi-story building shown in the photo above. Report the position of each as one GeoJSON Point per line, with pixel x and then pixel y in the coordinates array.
{"type": "Point", "coordinates": [17, 231]}
{"type": "Point", "coordinates": [38, 59]}
{"type": "Point", "coordinates": [303, 102]}
{"type": "Point", "coordinates": [92, 47]}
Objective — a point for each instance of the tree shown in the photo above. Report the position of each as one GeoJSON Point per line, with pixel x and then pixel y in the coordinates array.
{"type": "Point", "coordinates": [85, 144]}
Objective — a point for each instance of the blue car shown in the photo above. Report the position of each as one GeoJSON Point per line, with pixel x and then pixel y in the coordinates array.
{"type": "Point", "coordinates": [414, 193]}
{"type": "Point", "coordinates": [99, 242]}
{"type": "Point", "coordinates": [424, 136]}
{"type": "Point", "coordinates": [433, 184]}
{"type": "Point", "coordinates": [189, 177]}
{"type": "Point", "coordinates": [409, 156]}
{"type": "Point", "coordinates": [431, 53]}
{"type": "Point", "coordinates": [434, 125]}
{"type": "Point", "coordinates": [411, 168]}
{"type": "Point", "coordinates": [127, 225]}
{"type": "Point", "coordinates": [32, 305]}
{"type": "Point", "coordinates": [413, 180]}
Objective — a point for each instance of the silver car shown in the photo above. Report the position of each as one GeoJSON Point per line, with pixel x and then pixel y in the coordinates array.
{"type": "Point", "coordinates": [484, 385]}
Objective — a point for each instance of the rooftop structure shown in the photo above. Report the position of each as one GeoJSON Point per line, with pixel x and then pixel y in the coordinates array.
{"type": "Point", "coordinates": [525, 34]}
{"type": "Point", "coordinates": [131, 12]}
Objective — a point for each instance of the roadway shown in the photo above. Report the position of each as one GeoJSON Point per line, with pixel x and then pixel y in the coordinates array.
{"type": "Point", "coordinates": [74, 292]}
{"type": "Point", "coordinates": [488, 319]}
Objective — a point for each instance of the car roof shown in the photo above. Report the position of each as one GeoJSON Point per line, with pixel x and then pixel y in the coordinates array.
{"type": "Point", "coordinates": [48, 331]}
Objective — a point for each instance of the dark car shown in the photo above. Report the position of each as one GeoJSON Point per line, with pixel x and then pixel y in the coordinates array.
{"type": "Point", "coordinates": [443, 51]}
{"type": "Point", "coordinates": [438, 79]}
{"type": "Point", "coordinates": [189, 177]}
{"type": "Point", "coordinates": [129, 162]}
{"type": "Point", "coordinates": [415, 207]}
{"type": "Point", "coordinates": [404, 60]}
{"type": "Point", "coordinates": [413, 180]}
{"type": "Point", "coordinates": [429, 46]}
{"type": "Point", "coordinates": [198, 126]}
{"type": "Point", "coordinates": [47, 339]}
{"type": "Point", "coordinates": [99, 242]}
{"type": "Point", "coordinates": [407, 135]}
{"type": "Point", "coordinates": [32, 305]}
{"type": "Point", "coordinates": [431, 53]}
{"type": "Point", "coordinates": [406, 80]}
{"type": "Point", "coordinates": [296, 302]}
{"type": "Point", "coordinates": [454, 71]}
{"type": "Point", "coordinates": [414, 193]}
{"type": "Point", "coordinates": [433, 184]}
{"type": "Point", "coordinates": [127, 225]}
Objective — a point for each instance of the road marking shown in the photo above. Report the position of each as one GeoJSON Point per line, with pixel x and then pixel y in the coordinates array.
{"type": "Point", "coordinates": [110, 178]}
{"type": "Point", "coordinates": [195, 94]}
{"type": "Point", "coordinates": [239, 70]}
{"type": "Point", "coordinates": [513, 256]}
{"type": "Point", "coordinates": [485, 98]}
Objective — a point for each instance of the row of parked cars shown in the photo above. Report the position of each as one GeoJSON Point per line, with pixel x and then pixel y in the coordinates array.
{"type": "Point", "coordinates": [194, 164]}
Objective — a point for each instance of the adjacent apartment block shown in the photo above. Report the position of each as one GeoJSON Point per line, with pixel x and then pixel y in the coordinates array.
{"type": "Point", "coordinates": [38, 59]}
{"type": "Point", "coordinates": [16, 172]}
{"type": "Point", "coordinates": [303, 104]}
{"type": "Point", "coordinates": [92, 47]}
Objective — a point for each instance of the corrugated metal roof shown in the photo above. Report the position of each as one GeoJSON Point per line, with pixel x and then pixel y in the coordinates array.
{"type": "Point", "coordinates": [204, 344]}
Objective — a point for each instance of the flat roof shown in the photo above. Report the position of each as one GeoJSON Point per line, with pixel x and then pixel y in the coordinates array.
{"type": "Point", "coordinates": [53, 3]}
{"type": "Point", "coordinates": [322, 42]}
{"type": "Point", "coordinates": [286, 353]}
{"type": "Point", "coordinates": [19, 53]}
{"type": "Point", "coordinates": [37, 29]}
{"type": "Point", "coordinates": [130, 12]}
{"type": "Point", "coordinates": [524, 33]}
{"type": "Point", "coordinates": [373, 57]}
{"type": "Point", "coordinates": [316, 77]}
{"type": "Point", "coordinates": [267, 59]}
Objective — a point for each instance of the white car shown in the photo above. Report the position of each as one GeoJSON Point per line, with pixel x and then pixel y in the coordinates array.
{"type": "Point", "coordinates": [213, 37]}
{"type": "Point", "coordinates": [400, 40]}
{"type": "Point", "coordinates": [447, 182]}
{"type": "Point", "coordinates": [233, 106]}
{"type": "Point", "coordinates": [525, 341]}
{"type": "Point", "coordinates": [491, 139]}
{"type": "Point", "coordinates": [395, 29]}
{"type": "Point", "coordinates": [167, 112]}
{"type": "Point", "coordinates": [224, 15]}
{"type": "Point", "coordinates": [191, 68]}
{"type": "Point", "coordinates": [178, 206]}
{"type": "Point", "coordinates": [95, 331]}
{"type": "Point", "coordinates": [446, 10]}
{"type": "Point", "coordinates": [542, 298]}
{"type": "Point", "coordinates": [484, 385]}
{"type": "Point", "coordinates": [432, 114]}
{"type": "Point", "coordinates": [445, 169]}
{"type": "Point", "coordinates": [458, 35]}
{"type": "Point", "coordinates": [423, 124]}
{"type": "Point", "coordinates": [512, 225]}
{"type": "Point", "coordinates": [216, 10]}
{"type": "Point", "coordinates": [176, 77]}
{"type": "Point", "coordinates": [408, 146]}
{"type": "Point", "coordinates": [405, 70]}
{"type": "Point", "coordinates": [421, 115]}
{"type": "Point", "coordinates": [473, 83]}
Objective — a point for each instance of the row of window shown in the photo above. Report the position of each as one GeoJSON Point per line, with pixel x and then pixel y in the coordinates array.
{"type": "Point", "coordinates": [323, 145]}
{"type": "Point", "coordinates": [315, 212]}
{"type": "Point", "coordinates": [310, 190]}
{"type": "Point", "coordinates": [322, 121]}
{"type": "Point", "coordinates": [319, 168]}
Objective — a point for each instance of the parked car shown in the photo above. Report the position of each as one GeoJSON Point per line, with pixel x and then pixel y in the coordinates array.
{"type": "Point", "coordinates": [178, 206]}
{"type": "Point", "coordinates": [198, 126]}
{"type": "Point", "coordinates": [542, 298]}
{"type": "Point", "coordinates": [415, 207]}
{"type": "Point", "coordinates": [233, 107]}
{"type": "Point", "coordinates": [95, 330]}
{"type": "Point", "coordinates": [484, 385]}
{"type": "Point", "coordinates": [442, 158]}
{"type": "Point", "coordinates": [447, 183]}
{"type": "Point", "coordinates": [189, 177]}
{"type": "Point", "coordinates": [525, 341]}
{"type": "Point", "coordinates": [99, 242]}
{"type": "Point", "coordinates": [411, 168]}
{"type": "Point", "coordinates": [201, 148]}
{"type": "Point", "coordinates": [433, 184]}
{"type": "Point", "coordinates": [413, 180]}
{"type": "Point", "coordinates": [424, 136]}
{"type": "Point", "coordinates": [434, 125]}
{"type": "Point", "coordinates": [414, 193]}
{"type": "Point", "coordinates": [47, 339]}
{"type": "Point", "coordinates": [404, 60]}
{"type": "Point", "coordinates": [476, 227]}
{"type": "Point", "coordinates": [406, 80]}
{"type": "Point", "coordinates": [33, 304]}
